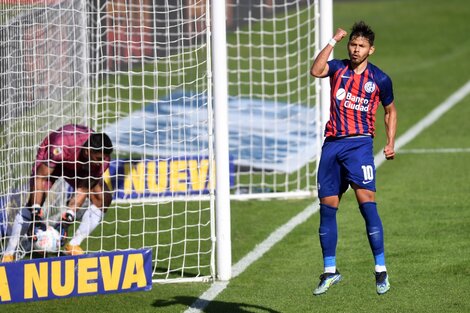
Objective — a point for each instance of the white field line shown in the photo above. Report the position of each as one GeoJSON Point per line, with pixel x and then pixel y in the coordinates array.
{"type": "Point", "coordinates": [216, 288]}
{"type": "Point", "coordinates": [428, 120]}
{"type": "Point", "coordinates": [437, 150]}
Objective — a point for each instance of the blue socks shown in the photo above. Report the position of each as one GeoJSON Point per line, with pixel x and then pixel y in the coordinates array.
{"type": "Point", "coordinates": [328, 233]}
{"type": "Point", "coordinates": [375, 232]}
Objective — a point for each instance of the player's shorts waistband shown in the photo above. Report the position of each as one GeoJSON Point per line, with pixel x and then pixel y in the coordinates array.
{"type": "Point", "coordinates": [347, 137]}
{"type": "Point", "coordinates": [357, 136]}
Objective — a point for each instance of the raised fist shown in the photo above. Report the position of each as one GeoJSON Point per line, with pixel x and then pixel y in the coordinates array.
{"type": "Point", "coordinates": [340, 34]}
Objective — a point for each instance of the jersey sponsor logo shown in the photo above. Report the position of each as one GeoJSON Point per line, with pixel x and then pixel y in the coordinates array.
{"type": "Point", "coordinates": [369, 87]}
{"type": "Point", "coordinates": [356, 103]}
{"type": "Point", "coordinates": [340, 94]}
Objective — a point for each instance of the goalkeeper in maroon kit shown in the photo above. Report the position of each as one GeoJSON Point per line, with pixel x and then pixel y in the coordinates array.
{"type": "Point", "coordinates": [80, 156]}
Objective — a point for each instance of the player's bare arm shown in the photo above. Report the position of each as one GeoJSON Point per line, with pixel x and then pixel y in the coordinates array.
{"type": "Point", "coordinates": [320, 66]}
{"type": "Point", "coordinates": [40, 185]}
{"type": "Point", "coordinates": [78, 199]}
{"type": "Point", "coordinates": [100, 196]}
{"type": "Point", "coordinates": [390, 119]}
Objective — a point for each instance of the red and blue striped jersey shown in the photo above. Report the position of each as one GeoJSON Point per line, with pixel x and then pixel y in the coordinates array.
{"type": "Point", "coordinates": [355, 98]}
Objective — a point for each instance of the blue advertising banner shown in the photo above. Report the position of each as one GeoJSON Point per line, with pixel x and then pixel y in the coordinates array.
{"type": "Point", "coordinates": [178, 176]}
{"type": "Point", "coordinates": [71, 276]}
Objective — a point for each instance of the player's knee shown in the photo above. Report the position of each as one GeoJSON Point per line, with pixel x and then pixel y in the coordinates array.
{"type": "Point", "coordinates": [363, 195]}
{"type": "Point", "coordinates": [102, 199]}
{"type": "Point", "coordinates": [330, 201]}
{"type": "Point", "coordinates": [107, 199]}
{"type": "Point", "coordinates": [99, 212]}
{"type": "Point", "coordinates": [105, 203]}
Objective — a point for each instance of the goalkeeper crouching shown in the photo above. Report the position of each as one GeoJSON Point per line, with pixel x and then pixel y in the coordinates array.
{"type": "Point", "coordinates": [80, 156]}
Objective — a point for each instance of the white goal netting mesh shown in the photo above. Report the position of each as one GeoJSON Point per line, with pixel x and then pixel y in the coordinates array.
{"type": "Point", "coordinates": [273, 120]}
{"type": "Point", "coordinates": [42, 86]}
{"type": "Point", "coordinates": [140, 70]}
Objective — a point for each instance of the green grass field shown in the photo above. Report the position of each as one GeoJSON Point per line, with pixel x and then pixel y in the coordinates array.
{"type": "Point", "coordinates": [423, 198]}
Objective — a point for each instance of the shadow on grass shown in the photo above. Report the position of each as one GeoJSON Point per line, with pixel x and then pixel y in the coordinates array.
{"type": "Point", "coordinates": [215, 306]}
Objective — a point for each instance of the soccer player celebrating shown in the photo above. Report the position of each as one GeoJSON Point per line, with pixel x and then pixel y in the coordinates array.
{"type": "Point", "coordinates": [357, 88]}
{"type": "Point", "coordinates": [80, 156]}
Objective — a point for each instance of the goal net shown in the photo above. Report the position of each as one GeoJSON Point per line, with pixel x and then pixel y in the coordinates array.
{"type": "Point", "coordinates": [141, 71]}
{"type": "Point", "coordinates": [42, 86]}
{"type": "Point", "coordinates": [272, 113]}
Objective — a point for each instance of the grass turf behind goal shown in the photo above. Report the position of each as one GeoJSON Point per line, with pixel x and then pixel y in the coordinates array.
{"type": "Point", "coordinates": [423, 199]}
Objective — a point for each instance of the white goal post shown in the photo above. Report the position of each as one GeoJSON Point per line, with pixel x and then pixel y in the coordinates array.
{"type": "Point", "coordinates": [206, 101]}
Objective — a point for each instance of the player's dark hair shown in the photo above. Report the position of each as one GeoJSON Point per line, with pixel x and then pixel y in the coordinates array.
{"type": "Point", "coordinates": [361, 29]}
{"type": "Point", "coordinates": [100, 142]}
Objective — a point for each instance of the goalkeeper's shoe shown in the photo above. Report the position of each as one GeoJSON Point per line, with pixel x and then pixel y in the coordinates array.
{"type": "Point", "coordinates": [73, 250]}
{"type": "Point", "coordinates": [382, 283]}
{"type": "Point", "coordinates": [326, 281]}
{"type": "Point", "coordinates": [8, 258]}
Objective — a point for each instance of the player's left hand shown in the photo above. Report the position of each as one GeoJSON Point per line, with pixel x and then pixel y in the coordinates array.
{"type": "Point", "coordinates": [389, 152]}
{"type": "Point", "coordinates": [340, 34]}
{"type": "Point", "coordinates": [37, 211]}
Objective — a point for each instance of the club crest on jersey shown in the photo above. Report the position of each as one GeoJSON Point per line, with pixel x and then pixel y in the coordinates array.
{"type": "Point", "coordinates": [369, 87]}
{"type": "Point", "coordinates": [57, 150]}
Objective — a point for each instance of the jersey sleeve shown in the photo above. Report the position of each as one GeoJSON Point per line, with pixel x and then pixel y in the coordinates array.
{"type": "Point", "coordinates": [333, 66]}
{"type": "Point", "coordinates": [386, 90]}
{"type": "Point", "coordinates": [46, 154]}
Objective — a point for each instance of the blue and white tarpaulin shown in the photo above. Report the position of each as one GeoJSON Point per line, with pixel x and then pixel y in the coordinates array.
{"type": "Point", "coordinates": [262, 134]}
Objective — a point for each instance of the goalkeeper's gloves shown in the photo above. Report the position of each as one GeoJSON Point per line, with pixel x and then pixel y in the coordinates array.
{"type": "Point", "coordinates": [37, 211]}
{"type": "Point", "coordinates": [68, 216]}
{"type": "Point", "coordinates": [62, 228]}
